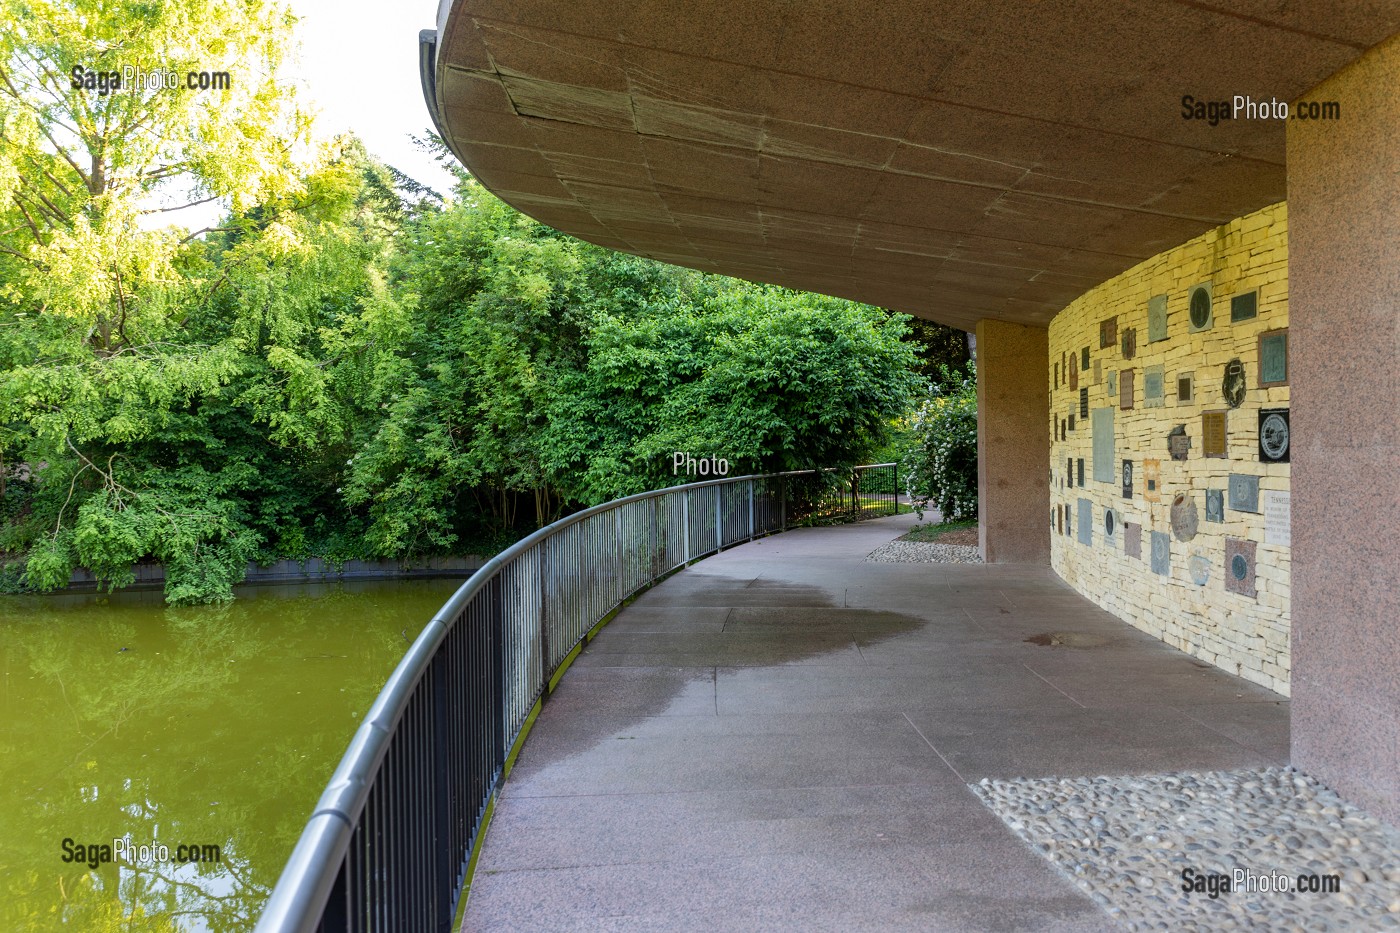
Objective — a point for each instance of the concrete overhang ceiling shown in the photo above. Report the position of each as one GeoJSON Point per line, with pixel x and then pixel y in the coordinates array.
{"type": "Point", "coordinates": [953, 160]}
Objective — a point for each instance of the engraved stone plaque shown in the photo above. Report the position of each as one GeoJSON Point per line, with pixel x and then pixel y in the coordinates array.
{"type": "Point", "coordinates": [1232, 385]}
{"type": "Point", "coordinates": [1108, 333]}
{"type": "Point", "coordinates": [1273, 358]}
{"type": "Point", "coordinates": [1178, 444]}
{"type": "Point", "coordinates": [1132, 540]}
{"type": "Point", "coordinates": [1185, 388]}
{"type": "Point", "coordinates": [1151, 480]}
{"type": "Point", "coordinates": [1156, 318]}
{"type": "Point", "coordinates": [1199, 568]}
{"type": "Point", "coordinates": [1129, 342]}
{"type": "Point", "coordinates": [1073, 373]}
{"type": "Point", "coordinates": [1113, 384]}
{"type": "Point", "coordinates": [1084, 402]}
{"type": "Point", "coordinates": [1214, 441]}
{"type": "Point", "coordinates": [1277, 518]}
{"type": "Point", "coordinates": [1161, 553]}
{"type": "Point", "coordinates": [1239, 567]}
{"type": "Point", "coordinates": [1244, 493]}
{"type": "Point", "coordinates": [1274, 435]}
{"type": "Point", "coordinates": [1098, 371]}
{"type": "Point", "coordinates": [1154, 387]}
{"type": "Point", "coordinates": [1243, 307]}
{"type": "Point", "coordinates": [1184, 519]}
{"type": "Point", "coordinates": [1057, 375]}
{"type": "Point", "coordinates": [1127, 479]}
{"type": "Point", "coordinates": [1079, 471]}
{"type": "Point", "coordinates": [1199, 313]}
{"type": "Point", "coordinates": [1215, 505]}
{"type": "Point", "coordinates": [1125, 389]}
{"type": "Point", "coordinates": [1104, 464]}
{"type": "Point", "coordinates": [1084, 360]}
{"type": "Point", "coordinates": [1086, 522]}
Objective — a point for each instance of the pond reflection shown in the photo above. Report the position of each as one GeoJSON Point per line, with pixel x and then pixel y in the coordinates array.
{"type": "Point", "coordinates": [205, 727]}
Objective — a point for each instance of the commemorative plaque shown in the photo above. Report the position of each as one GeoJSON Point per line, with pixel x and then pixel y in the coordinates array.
{"type": "Point", "coordinates": [1185, 388]}
{"type": "Point", "coordinates": [1239, 567]}
{"type": "Point", "coordinates": [1276, 518]}
{"type": "Point", "coordinates": [1086, 522]}
{"type": "Point", "coordinates": [1129, 342]}
{"type": "Point", "coordinates": [1154, 387]}
{"type": "Point", "coordinates": [1185, 521]}
{"type": "Point", "coordinates": [1108, 333]}
{"type": "Point", "coordinates": [1199, 313]}
{"type": "Point", "coordinates": [1274, 436]}
{"type": "Point", "coordinates": [1178, 444]}
{"type": "Point", "coordinates": [1103, 440]}
{"type": "Point", "coordinates": [1127, 479]}
{"type": "Point", "coordinates": [1156, 318]}
{"type": "Point", "coordinates": [1161, 553]}
{"type": "Point", "coordinates": [1215, 505]}
{"type": "Point", "coordinates": [1151, 479]}
{"type": "Point", "coordinates": [1244, 493]}
{"type": "Point", "coordinates": [1273, 358]}
{"type": "Point", "coordinates": [1214, 441]}
{"type": "Point", "coordinates": [1232, 385]}
{"type": "Point", "coordinates": [1243, 307]}
{"type": "Point", "coordinates": [1132, 540]}
{"type": "Point", "coordinates": [1083, 403]}
{"type": "Point", "coordinates": [1125, 389]}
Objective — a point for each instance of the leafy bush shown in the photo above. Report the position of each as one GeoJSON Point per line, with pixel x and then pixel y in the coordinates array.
{"type": "Point", "coordinates": [940, 468]}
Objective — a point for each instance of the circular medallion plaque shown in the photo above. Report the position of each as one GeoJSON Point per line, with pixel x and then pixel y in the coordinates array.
{"type": "Point", "coordinates": [1109, 523]}
{"type": "Point", "coordinates": [1239, 567]}
{"type": "Point", "coordinates": [1232, 385]}
{"type": "Point", "coordinates": [1200, 570]}
{"type": "Point", "coordinates": [1200, 309]}
{"type": "Point", "coordinates": [1185, 521]}
{"type": "Point", "coordinates": [1273, 436]}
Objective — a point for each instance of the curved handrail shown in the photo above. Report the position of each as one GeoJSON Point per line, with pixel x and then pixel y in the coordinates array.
{"type": "Point", "coordinates": [305, 897]}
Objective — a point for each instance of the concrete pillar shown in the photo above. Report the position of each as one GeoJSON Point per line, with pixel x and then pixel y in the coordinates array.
{"type": "Point", "coordinates": [1013, 448]}
{"type": "Point", "coordinates": [1344, 367]}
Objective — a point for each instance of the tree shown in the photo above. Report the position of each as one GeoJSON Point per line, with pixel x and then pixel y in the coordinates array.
{"type": "Point", "coordinates": [940, 465]}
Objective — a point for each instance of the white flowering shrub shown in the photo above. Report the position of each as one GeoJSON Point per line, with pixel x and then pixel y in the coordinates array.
{"type": "Point", "coordinates": [940, 467]}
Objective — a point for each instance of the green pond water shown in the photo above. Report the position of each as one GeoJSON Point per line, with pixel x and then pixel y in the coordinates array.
{"type": "Point", "coordinates": [210, 726]}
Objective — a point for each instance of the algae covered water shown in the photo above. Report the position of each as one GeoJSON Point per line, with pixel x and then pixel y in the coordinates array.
{"type": "Point", "coordinates": [197, 739]}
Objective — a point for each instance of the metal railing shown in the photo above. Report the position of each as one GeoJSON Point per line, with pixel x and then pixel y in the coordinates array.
{"type": "Point", "coordinates": [389, 844]}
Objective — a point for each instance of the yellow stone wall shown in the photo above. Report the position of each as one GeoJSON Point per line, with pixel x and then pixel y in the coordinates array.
{"type": "Point", "coordinates": [1245, 635]}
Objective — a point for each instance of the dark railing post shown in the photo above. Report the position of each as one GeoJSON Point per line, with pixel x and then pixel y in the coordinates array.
{"type": "Point", "coordinates": [444, 864]}
{"type": "Point", "coordinates": [685, 526]}
{"type": "Point", "coordinates": [751, 495]}
{"type": "Point", "coordinates": [782, 503]}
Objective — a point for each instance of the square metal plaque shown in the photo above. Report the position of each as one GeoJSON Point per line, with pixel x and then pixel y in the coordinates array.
{"type": "Point", "coordinates": [1214, 439]}
{"type": "Point", "coordinates": [1215, 505]}
{"type": "Point", "coordinates": [1104, 465]}
{"type": "Point", "coordinates": [1154, 387]}
{"type": "Point", "coordinates": [1086, 522]}
{"type": "Point", "coordinates": [1162, 553]}
{"type": "Point", "coordinates": [1239, 567]}
{"type": "Point", "coordinates": [1244, 307]}
{"type": "Point", "coordinates": [1273, 358]}
{"type": "Point", "coordinates": [1244, 493]}
{"type": "Point", "coordinates": [1156, 318]}
{"type": "Point", "coordinates": [1125, 389]}
{"type": "Point", "coordinates": [1185, 388]}
{"type": "Point", "coordinates": [1132, 540]}
{"type": "Point", "coordinates": [1152, 480]}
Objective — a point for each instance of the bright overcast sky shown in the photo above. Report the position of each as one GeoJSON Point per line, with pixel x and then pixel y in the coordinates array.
{"type": "Point", "coordinates": [359, 63]}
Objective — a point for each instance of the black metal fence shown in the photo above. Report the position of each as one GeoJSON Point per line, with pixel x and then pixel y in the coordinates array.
{"type": "Point", "coordinates": [389, 844]}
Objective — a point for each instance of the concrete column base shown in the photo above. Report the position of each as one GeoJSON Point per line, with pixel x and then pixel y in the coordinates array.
{"type": "Point", "coordinates": [1013, 443]}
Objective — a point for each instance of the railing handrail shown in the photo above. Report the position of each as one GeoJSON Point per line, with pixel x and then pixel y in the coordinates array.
{"type": "Point", "coordinates": [306, 882]}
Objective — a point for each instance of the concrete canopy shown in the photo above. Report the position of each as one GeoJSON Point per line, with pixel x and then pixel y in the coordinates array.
{"type": "Point", "coordinates": [958, 161]}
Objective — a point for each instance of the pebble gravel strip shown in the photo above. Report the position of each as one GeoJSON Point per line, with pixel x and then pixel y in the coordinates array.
{"type": "Point", "coordinates": [1126, 841]}
{"type": "Point", "coordinates": [922, 552]}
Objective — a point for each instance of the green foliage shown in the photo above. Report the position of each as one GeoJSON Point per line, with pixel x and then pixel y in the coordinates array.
{"type": "Point", "coordinates": [940, 468]}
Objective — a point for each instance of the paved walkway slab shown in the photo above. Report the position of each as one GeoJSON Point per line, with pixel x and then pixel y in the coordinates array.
{"type": "Point", "coordinates": [782, 736]}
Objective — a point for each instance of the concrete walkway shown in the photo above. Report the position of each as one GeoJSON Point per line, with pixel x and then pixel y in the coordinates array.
{"type": "Point", "coordinates": [781, 737]}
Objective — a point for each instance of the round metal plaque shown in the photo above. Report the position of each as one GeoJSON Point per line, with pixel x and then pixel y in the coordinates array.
{"type": "Point", "coordinates": [1185, 520]}
{"type": "Point", "coordinates": [1109, 523]}
{"type": "Point", "coordinates": [1200, 308]}
{"type": "Point", "coordinates": [1273, 436]}
{"type": "Point", "coordinates": [1239, 567]}
{"type": "Point", "coordinates": [1232, 384]}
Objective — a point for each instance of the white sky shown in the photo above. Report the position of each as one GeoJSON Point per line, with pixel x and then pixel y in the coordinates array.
{"type": "Point", "coordinates": [359, 68]}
